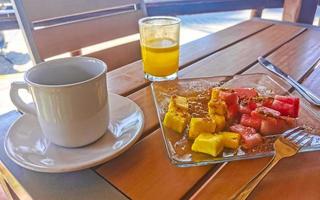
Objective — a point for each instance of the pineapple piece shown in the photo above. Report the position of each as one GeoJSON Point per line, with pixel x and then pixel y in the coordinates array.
{"type": "Point", "coordinates": [200, 125]}
{"type": "Point", "coordinates": [231, 139]}
{"type": "Point", "coordinates": [172, 107]}
{"type": "Point", "coordinates": [217, 107]}
{"type": "Point", "coordinates": [220, 122]}
{"type": "Point", "coordinates": [178, 103]}
{"type": "Point", "coordinates": [176, 121]}
{"type": "Point", "coordinates": [208, 143]}
{"type": "Point", "coordinates": [215, 94]}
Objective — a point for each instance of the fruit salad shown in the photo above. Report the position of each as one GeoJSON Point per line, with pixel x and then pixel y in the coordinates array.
{"type": "Point", "coordinates": [234, 118]}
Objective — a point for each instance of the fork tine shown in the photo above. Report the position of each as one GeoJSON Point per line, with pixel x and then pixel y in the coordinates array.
{"type": "Point", "coordinates": [290, 131]}
{"type": "Point", "coordinates": [299, 137]}
{"type": "Point", "coordinates": [294, 135]}
{"type": "Point", "coordinates": [305, 141]}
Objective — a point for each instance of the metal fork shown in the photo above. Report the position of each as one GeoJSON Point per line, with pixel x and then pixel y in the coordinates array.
{"type": "Point", "coordinates": [285, 146]}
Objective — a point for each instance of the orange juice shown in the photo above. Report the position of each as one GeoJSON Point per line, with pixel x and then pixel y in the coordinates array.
{"type": "Point", "coordinates": [160, 57]}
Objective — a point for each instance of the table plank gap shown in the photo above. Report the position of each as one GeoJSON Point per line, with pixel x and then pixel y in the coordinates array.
{"type": "Point", "coordinates": [304, 44]}
{"type": "Point", "coordinates": [246, 69]}
{"type": "Point", "coordinates": [307, 74]}
{"type": "Point", "coordinates": [312, 69]}
{"type": "Point", "coordinates": [243, 54]}
{"type": "Point", "coordinates": [149, 158]}
{"type": "Point", "coordinates": [106, 180]}
{"type": "Point", "coordinates": [215, 168]}
{"type": "Point", "coordinates": [304, 51]}
{"type": "Point", "coordinates": [312, 82]}
{"type": "Point", "coordinates": [308, 26]}
{"type": "Point", "coordinates": [141, 97]}
{"type": "Point", "coordinates": [144, 99]}
{"type": "Point", "coordinates": [269, 53]}
{"type": "Point", "coordinates": [130, 78]}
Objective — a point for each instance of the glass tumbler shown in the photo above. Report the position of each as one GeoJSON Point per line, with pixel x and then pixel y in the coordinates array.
{"type": "Point", "coordinates": [159, 39]}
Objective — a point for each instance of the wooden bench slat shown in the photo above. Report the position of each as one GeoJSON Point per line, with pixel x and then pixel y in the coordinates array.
{"type": "Point", "coordinates": [118, 56]}
{"type": "Point", "coordinates": [47, 9]}
{"type": "Point", "coordinates": [131, 76]}
{"type": "Point", "coordinates": [169, 7]}
{"type": "Point", "coordinates": [73, 36]}
{"type": "Point", "coordinates": [160, 177]}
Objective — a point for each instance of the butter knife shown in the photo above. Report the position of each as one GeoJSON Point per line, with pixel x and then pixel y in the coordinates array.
{"type": "Point", "coordinates": [307, 94]}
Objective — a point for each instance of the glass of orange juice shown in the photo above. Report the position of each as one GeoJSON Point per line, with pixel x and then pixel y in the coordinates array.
{"type": "Point", "coordinates": [159, 39]}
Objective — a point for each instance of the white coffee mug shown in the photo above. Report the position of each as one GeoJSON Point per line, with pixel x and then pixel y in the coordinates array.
{"type": "Point", "coordinates": [70, 98]}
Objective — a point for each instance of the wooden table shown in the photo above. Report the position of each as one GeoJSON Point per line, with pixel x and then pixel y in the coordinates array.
{"type": "Point", "coordinates": [144, 171]}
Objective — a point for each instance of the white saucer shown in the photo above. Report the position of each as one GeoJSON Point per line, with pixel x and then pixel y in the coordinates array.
{"type": "Point", "coordinates": [26, 146]}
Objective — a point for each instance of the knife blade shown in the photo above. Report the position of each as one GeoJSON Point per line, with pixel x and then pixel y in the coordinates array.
{"type": "Point", "coordinates": [307, 94]}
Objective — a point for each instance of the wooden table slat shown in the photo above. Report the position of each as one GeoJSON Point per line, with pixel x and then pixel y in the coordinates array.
{"type": "Point", "coordinates": [149, 156]}
{"type": "Point", "coordinates": [297, 57]}
{"type": "Point", "coordinates": [130, 78]}
{"type": "Point", "coordinates": [144, 99]}
{"type": "Point", "coordinates": [222, 64]}
{"type": "Point", "coordinates": [285, 181]}
{"type": "Point", "coordinates": [145, 172]}
{"type": "Point", "coordinates": [288, 178]}
{"type": "Point", "coordinates": [243, 54]}
{"type": "Point", "coordinates": [312, 82]}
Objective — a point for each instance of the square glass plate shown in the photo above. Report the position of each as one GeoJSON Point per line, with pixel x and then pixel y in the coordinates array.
{"type": "Point", "coordinates": [179, 146]}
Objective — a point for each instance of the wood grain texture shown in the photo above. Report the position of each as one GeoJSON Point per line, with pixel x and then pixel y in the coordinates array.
{"type": "Point", "coordinates": [292, 178]}
{"type": "Point", "coordinates": [145, 172]}
{"type": "Point", "coordinates": [302, 11]}
{"type": "Point", "coordinates": [243, 54]}
{"type": "Point", "coordinates": [144, 99]}
{"type": "Point", "coordinates": [138, 188]}
{"type": "Point", "coordinates": [119, 56]}
{"type": "Point", "coordinates": [240, 60]}
{"type": "Point", "coordinates": [312, 82]}
{"type": "Point", "coordinates": [131, 76]}
{"type": "Point", "coordinates": [47, 9]}
{"type": "Point", "coordinates": [297, 57]}
{"type": "Point", "coordinates": [72, 36]}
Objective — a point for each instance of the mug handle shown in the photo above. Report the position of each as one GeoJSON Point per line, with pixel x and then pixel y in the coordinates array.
{"type": "Point", "coordinates": [16, 99]}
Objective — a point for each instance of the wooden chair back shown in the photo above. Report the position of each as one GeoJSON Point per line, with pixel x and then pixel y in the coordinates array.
{"type": "Point", "coordinates": [105, 29]}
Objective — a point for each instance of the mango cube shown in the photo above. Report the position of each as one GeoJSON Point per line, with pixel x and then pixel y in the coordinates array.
{"type": "Point", "coordinates": [208, 143]}
{"type": "Point", "coordinates": [220, 121]}
{"type": "Point", "coordinates": [217, 107]}
{"type": "Point", "coordinates": [231, 139]}
{"type": "Point", "coordinates": [215, 94]}
{"type": "Point", "coordinates": [176, 121]}
{"type": "Point", "coordinates": [201, 125]}
{"type": "Point", "coordinates": [178, 103]}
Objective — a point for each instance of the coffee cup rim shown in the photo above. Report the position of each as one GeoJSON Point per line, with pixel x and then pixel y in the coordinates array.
{"type": "Point", "coordinates": [65, 59]}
